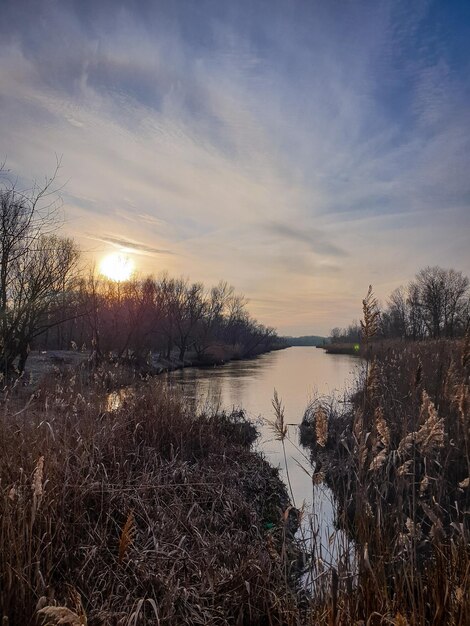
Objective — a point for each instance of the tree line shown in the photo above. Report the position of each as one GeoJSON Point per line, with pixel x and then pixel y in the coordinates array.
{"type": "Point", "coordinates": [435, 304]}
{"type": "Point", "coordinates": [170, 316]}
{"type": "Point", "coordinates": [49, 301]}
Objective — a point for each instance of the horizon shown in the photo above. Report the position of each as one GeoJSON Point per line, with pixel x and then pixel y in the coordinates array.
{"type": "Point", "coordinates": [299, 151]}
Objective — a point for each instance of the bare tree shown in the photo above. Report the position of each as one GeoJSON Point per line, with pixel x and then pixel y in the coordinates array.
{"type": "Point", "coordinates": [218, 306]}
{"type": "Point", "coordinates": [37, 270]}
{"type": "Point", "coordinates": [455, 302]}
{"type": "Point", "coordinates": [190, 309]}
{"type": "Point", "coordinates": [398, 313]}
{"type": "Point", "coordinates": [442, 299]}
{"type": "Point", "coordinates": [435, 304]}
{"type": "Point", "coordinates": [415, 317]}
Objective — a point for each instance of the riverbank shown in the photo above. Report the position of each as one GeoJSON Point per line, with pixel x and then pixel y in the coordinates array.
{"type": "Point", "coordinates": [129, 368]}
{"type": "Point", "coordinates": [145, 512]}
{"type": "Point", "coordinates": [397, 459]}
{"type": "Point", "coordinates": [342, 348]}
{"type": "Point", "coordinates": [219, 355]}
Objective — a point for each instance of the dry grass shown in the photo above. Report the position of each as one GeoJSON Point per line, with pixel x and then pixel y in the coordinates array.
{"type": "Point", "coordinates": [151, 513]}
{"type": "Point", "coordinates": [398, 461]}
{"type": "Point", "coordinates": [342, 348]}
{"type": "Point", "coordinates": [146, 514]}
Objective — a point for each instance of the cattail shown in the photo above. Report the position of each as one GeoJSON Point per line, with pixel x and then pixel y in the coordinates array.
{"type": "Point", "coordinates": [321, 426]}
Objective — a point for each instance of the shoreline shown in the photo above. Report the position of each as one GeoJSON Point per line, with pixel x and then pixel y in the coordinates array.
{"type": "Point", "coordinates": [156, 470]}
{"type": "Point", "coordinates": [42, 363]}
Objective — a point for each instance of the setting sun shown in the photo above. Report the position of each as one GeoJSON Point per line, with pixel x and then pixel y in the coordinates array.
{"type": "Point", "coordinates": [117, 267]}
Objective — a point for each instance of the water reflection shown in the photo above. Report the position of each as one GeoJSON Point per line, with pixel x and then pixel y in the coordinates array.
{"type": "Point", "coordinates": [298, 374]}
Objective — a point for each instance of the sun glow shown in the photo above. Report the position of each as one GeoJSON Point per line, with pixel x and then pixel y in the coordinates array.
{"type": "Point", "coordinates": [117, 267]}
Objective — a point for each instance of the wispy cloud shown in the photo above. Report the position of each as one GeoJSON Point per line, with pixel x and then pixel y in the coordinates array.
{"type": "Point", "coordinates": [298, 150]}
{"type": "Point", "coordinates": [128, 245]}
{"type": "Point", "coordinates": [315, 239]}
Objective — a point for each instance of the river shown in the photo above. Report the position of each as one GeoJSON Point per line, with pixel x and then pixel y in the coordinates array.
{"type": "Point", "coordinates": [299, 374]}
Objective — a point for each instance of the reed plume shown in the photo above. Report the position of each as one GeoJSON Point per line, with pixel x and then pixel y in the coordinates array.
{"type": "Point", "coordinates": [378, 460]}
{"type": "Point", "coordinates": [37, 487]}
{"type": "Point", "coordinates": [55, 615]}
{"type": "Point", "coordinates": [127, 536]}
{"type": "Point", "coordinates": [36, 484]}
{"type": "Point", "coordinates": [431, 434]}
{"type": "Point", "coordinates": [382, 427]}
{"type": "Point", "coordinates": [371, 316]}
{"type": "Point", "coordinates": [373, 380]}
{"type": "Point", "coordinates": [321, 426]}
{"type": "Point", "coordinates": [279, 425]}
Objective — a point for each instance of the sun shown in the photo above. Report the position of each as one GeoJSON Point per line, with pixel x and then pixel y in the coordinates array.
{"type": "Point", "coordinates": [117, 267]}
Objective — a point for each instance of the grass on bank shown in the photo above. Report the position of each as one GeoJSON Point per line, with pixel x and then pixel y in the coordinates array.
{"type": "Point", "coordinates": [155, 514]}
{"type": "Point", "coordinates": [151, 513]}
{"type": "Point", "coordinates": [398, 461]}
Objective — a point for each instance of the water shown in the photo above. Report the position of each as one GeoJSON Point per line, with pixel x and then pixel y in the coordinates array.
{"type": "Point", "coordinates": [299, 374]}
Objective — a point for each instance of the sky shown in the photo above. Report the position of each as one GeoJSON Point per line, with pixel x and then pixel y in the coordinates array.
{"type": "Point", "coordinates": [299, 150]}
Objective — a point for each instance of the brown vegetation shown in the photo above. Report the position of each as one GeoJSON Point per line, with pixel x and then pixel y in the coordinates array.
{"type": "Point", "coordinates": [398, 460]}
{"type": "Point", "coordinates": [148, 513]}
{"type": "Point", "coordinates": [342, 348]}
{"type": "Point", "coordinates": [435, 304]}
{"type": "Point", "coordinates": [38, 270]}
{"type": "Point", "coordinates": [47, 301]}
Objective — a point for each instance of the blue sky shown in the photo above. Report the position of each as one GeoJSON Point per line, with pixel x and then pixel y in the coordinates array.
{"type": "Point", "coordinates": [299, 150]}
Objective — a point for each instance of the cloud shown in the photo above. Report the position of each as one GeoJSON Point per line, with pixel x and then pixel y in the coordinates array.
{"type": "Point", "coordinates": [130, 246]}
{"type": "Point", "coordinates": [298, 150]}
{"type": "Point", "coordinates": [315, 239]}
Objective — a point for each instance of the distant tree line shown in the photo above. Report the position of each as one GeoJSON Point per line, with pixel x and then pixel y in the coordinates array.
{"type": "Point", "coordinates": [435, 304]}
{"type": "Point", "coordinates": [47, 301]}
{"type": "Point", "coordinates": [171, 316]}
{"type": "Point", "coordinates": [306, 340]}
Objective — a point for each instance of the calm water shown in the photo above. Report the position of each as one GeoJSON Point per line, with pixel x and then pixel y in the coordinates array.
{"type": "Point", "coordinates": [299, 374]}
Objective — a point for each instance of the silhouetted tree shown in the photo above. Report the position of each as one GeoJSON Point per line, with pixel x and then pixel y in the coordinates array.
{"type": "Point", "coordinates": [38, 270]}
{"type": "Point", "coordinates": [435, 304]}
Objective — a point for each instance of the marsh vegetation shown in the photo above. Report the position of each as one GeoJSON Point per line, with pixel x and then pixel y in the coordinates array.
{"type": "Point", "coordinates": [144, 508]}
{"type": "Point", "coordinates": [397, 458]}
